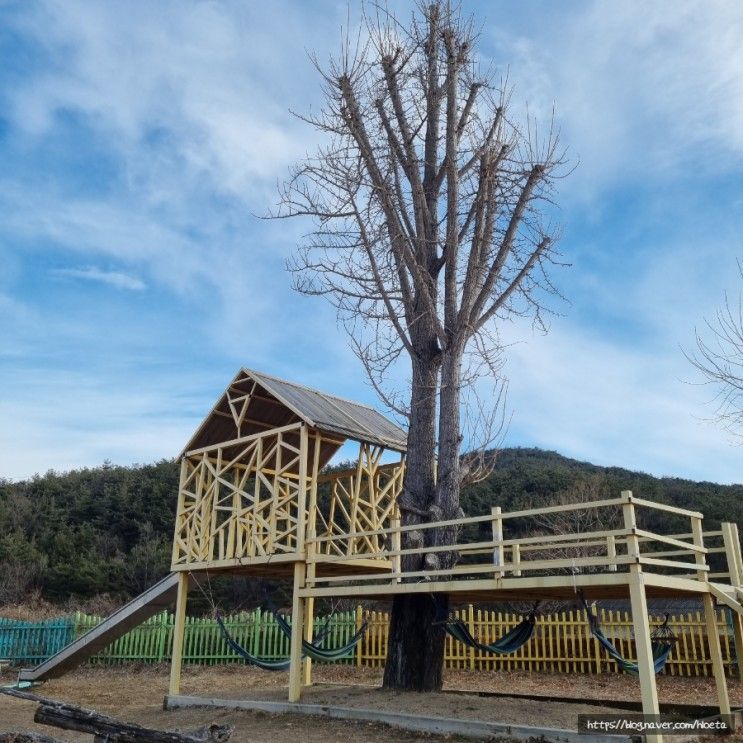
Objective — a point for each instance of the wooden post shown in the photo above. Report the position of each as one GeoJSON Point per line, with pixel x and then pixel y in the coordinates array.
{"type": "Point", "coordinates": [596, 644]}
{"type": "Point", "coordinates": [645, 662]}
{"type": "Point", "coordinates": [309, 626]}
{"type": "Point", "coordinates": [497, 537]}
{"type": "Point", "coordinates": [295, 653]}
{"type": "Point", "coordinates": [516, 559]}
{"type": "Point", "coordinates": [306, 529]}
{"type": "Point", "coordinates": [359, 621]}
{"type": "Point", "coordinates": [640, 620]}
{"type": "Point", "coordinates": [710, 620]}
{"type": "Point", "coordinates": [396, 546]}
{"type": "Point", "coordinates": [718, 668]}
{"type": "Point", "coordinates": [611, 552]}
{"type": "Point", "coordinates": [179, 627]}
{"type": "Point", "coordinates": [735, 568]}
{"type": "Point", "coordinates": [471, 627]}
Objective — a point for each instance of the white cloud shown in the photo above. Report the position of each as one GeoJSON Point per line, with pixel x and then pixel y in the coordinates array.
{"type": "Point", "coordinates": [117, 279]}
{"type": "Point", "coordinates": [79, 420]}
{"type": "Point", "coordinates": [200, 82]}
{"type": "Point", "coordinates": [616, 405]}
{"type": "Point", "coordinates": [641, 88]}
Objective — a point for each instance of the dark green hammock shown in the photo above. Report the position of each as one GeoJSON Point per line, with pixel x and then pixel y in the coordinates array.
{"type": "Point", "coordinates": [313, 650]}
{"type": "Point", "coordinates": [280, 664]}
{"type": "Point", "coordinates": [662, 641]}
{"type": "Point", "coordinates": [508, 643]}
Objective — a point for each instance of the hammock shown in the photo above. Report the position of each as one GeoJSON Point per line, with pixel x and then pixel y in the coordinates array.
{"type": "Point", "coordinates": [280, 664]}
{"type": "Point", "coordinates": [508, 643]}
{"type": "Point", "coordinates": [313, 650]}
{"type": "Point", "coordinates": [662, 641]}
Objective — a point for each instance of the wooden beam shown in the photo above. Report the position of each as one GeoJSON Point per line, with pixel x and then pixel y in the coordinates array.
{"type": "Point", "coordinates": [295, 653]}
{"type": "Point", "coordinates": [718, 668]}
{"type": "Point", "coordinates": [179, 628]}
{"type": "Point", "coordinates": [645, 661]}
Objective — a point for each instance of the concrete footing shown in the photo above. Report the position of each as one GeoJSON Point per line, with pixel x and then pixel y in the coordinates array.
{"type": "Point", "coordinates": [476, 729]}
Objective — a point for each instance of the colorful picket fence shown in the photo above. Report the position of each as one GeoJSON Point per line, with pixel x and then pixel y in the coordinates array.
{"type": "Point", "coordinates": [561, 643]}
{"type": "Point", "coordinates": [33, 642]}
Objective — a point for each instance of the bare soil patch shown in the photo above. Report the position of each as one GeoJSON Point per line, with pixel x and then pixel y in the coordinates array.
{"type": "Point", "coordinates": [135, 694]}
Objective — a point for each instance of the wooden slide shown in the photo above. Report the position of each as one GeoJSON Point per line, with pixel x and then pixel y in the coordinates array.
{"type": "Point", "coordinates": [153, 600]}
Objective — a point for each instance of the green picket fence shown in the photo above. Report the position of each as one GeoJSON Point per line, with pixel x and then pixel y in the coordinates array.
{"type": "Point", "coordinates": [25, 643]}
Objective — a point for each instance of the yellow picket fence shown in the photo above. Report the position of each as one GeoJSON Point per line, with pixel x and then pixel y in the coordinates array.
{"type": "Point", "coordinates": [561, 642]}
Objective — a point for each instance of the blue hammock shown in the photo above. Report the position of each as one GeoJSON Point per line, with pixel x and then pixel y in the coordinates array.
{"type": "Point", "coordinates": [662, 641]}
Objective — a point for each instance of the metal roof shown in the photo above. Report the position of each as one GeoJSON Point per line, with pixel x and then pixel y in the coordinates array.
{"type": "Point", "coordinates": [334, 414]}
{"type": "Point", "coordinates": [281, 403]}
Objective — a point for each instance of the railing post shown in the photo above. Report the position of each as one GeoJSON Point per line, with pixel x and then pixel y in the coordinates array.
{"type": "Point", "coordinates": [611, 552]}
{"type": "Point", "coordinates": [732, 552]}
{"type": "Point", "coordinates": [396, 544]}
{"type": "Point", "coordinates": [516, 559]}
{"type": "Point", "coordinates": [698, 538]}
{"type": "Point", "coordinates": [497, 527]}
{"type": "Point", "coordinates": [630, 523]}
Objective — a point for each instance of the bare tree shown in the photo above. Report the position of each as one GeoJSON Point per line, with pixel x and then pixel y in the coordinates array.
{"type": "Point", "coordinates": [719, 357]}
{"type": "Point", "coordinates": [578, 522]}
{"type": "Point", "coordinates": [428, 204]}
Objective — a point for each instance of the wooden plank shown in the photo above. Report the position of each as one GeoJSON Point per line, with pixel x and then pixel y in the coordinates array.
{"type": "Point", "coordinates": [713, 641]}
{"type": "Point", "coordinates": [178, 632]}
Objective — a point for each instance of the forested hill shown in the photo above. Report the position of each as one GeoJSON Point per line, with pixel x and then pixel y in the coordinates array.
{"type": "Point", "coordinates": [108, 530]}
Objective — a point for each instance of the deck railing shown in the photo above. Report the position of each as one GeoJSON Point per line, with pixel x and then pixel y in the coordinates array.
{"type": "Point", "coordinates": [485, 549]}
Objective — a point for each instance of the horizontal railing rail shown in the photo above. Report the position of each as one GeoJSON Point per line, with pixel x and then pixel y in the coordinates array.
{"type": "Point", "coordinates": [502, 555]}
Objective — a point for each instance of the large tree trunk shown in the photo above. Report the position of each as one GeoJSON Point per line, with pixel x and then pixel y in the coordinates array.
{"type": "Point", "coordinates": [449, 479]}
{"type": "Point", "coordinates": [416, 648]}
{"type": "Point", "coordinates": [415, 655]}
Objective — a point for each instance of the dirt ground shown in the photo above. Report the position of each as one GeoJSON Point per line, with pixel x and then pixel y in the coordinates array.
{"type": "Point", "coordinates": [135, 694]}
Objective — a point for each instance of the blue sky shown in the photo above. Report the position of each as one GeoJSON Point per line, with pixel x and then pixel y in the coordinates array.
{"type": "Point", "coordinates": [139, 140]}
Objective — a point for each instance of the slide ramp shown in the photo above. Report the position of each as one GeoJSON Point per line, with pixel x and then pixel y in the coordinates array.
{"type": "Point", "coordinates": [147, 604]}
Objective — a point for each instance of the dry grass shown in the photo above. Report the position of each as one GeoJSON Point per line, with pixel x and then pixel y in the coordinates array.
{"type": "Point", "coordinates": [134, 693]}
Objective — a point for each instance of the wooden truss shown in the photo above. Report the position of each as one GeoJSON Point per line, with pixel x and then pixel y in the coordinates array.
{"type": "Point", "coordinates": [256, 497]}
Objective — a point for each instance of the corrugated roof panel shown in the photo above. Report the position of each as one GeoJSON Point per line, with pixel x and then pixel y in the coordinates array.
{"type": "Point", "coordinates": [351, 419]}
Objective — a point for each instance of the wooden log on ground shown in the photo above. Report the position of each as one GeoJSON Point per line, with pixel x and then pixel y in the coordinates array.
{"type": "Point", "coordinates": [103, 727]}
{"type": "Point", "coordinates": [27, 738]}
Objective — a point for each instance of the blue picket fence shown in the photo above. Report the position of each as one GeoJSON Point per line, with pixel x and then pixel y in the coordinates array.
{"type": "Point", "coordinates": [33, 642]}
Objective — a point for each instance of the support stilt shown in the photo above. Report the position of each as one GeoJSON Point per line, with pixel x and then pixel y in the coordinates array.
{"type": "Point", "coordinates": [737, 621]}
{"type": "Point", "coordinates": [645, 663]}
{"type": "Point", "coordinates": [735, 569]}
{"type": "Point", "coordinates": [178, 631]}
{"type": "Point", "coordinates": [718, 669]}
{"type": "Point", "coordinates": [295, 669]}
{"type": "Point", "coordinates": [640, 620]}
